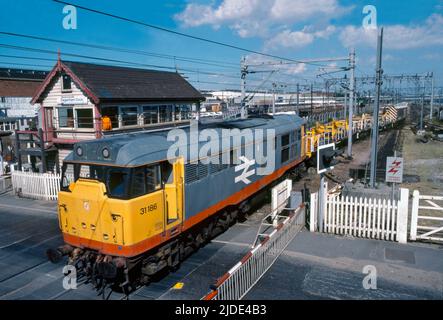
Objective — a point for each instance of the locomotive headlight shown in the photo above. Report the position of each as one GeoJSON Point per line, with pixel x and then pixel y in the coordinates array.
{"type": "Point", "coordinates": [79, 151]}
{"type": "Point", "coordinates": [105, 153]}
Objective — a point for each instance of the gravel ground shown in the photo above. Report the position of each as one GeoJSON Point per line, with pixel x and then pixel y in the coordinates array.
{"type": "Point", "coordinates": [424, 160]}
{"type": "Point", "coordinates": [361, 156]}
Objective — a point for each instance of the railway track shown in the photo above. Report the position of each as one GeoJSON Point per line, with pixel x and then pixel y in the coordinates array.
{"type": "Point", "coordinates": [387, 140]}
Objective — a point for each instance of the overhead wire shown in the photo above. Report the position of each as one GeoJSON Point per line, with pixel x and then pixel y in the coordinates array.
{"type": "Point", "coordinates": [219, 63]}
{"type": "Point", "coordinates": [178, 33]}
{"type": "Point", "coordinates": [120, 62]}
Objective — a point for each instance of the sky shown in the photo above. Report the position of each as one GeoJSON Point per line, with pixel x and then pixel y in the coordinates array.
{"type": "Point", "coordinates": [294, 29]}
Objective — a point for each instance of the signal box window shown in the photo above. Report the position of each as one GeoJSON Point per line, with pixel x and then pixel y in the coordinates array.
{"type": "Point", "coordinates": [66, 117]}
{"type": "Point", "coordinates": [129, 116]}
{"type": "Point", "coordinates": [165, 112]}
{"type": "Point", "coordinates": [66, 83]}
{"type": "Point", "coordinates": [150, 114]}
{"type": "Point", "coordinates": [112, 114]}
{"type": "Point", "coordinates": [185, 112]}
{"type": "Point", "coordinates": [84, 118]}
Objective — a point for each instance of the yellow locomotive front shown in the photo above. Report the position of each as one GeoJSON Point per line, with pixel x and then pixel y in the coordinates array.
{"type": "Point", "coordinates": [110, 215]}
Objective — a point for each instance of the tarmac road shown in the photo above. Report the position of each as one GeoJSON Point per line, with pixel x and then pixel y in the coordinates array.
{"type": "Point", "coordinates": [314, 266]}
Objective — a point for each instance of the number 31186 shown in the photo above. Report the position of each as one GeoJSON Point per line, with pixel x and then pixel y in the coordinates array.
{"type": "Point", "coordinates": [149, 208]}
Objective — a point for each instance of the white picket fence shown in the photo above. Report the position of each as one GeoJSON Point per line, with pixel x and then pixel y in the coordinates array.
{"type": "Point", "coordinates": [42, 186]}
{"type": "Point", "coordinates": [363, 217]}
{"type": "Point", "coordinates": [424, 208]}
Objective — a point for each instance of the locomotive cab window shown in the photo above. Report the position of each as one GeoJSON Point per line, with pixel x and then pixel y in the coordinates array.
{"type": "Point", "coordinates": [121, 183]}
{"type": "Point", "coordinates": [285, 155]}
{"type": "Point", "coordinates": [67, 176]}
{"type": "Point", "coordinates": [285, 140]}
{"type": "Point", "coordinates": [145, 180]}
{"type": "Point", "coordinates": [117, 183]}
{"type": "Point", "coordinates": [285, 148]}
{"type": "Point", "coordinates": [153, 178]}
{"type": "Point", "coordinates": [138, 185]}
{"type": "Point", "coordinates": [167, 172]}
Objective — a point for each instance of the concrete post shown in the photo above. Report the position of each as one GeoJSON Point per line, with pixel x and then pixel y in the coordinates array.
{"type": "Point", "coordinates": [414, 215]}
{"type": "Point", "coordinates": [351, 101]}
{"type": "Point", "coordinates": [402, 216]}
{"type": "Point", "coordinates": [322, 194]}
{"type": "Point", "coordinates": [17, 151]}
{"type": "Point", "coordinates": [42, 150]}
{"type": "Point", "coordinates": [313, 212]}
{"type": "Point", "coordinates": [273, 102]}
{"type": "Point", "coordinates": [432, 97]}
{"type": "Point", "coordinates": [374, 136]}
{"type": "Point", "coordinates": [298, 99]}
{"type": "Point", "coordinates": [243, 70]}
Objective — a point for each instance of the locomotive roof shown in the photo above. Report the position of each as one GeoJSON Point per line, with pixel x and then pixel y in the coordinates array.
{"type": "Point", "coordinates": [134, 149]}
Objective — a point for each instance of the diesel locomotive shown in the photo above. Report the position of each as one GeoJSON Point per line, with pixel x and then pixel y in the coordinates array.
{"type": "Point", "coordinates": [127, 212]}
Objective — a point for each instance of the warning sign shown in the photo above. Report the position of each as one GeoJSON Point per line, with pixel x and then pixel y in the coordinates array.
{"type": "Point", "coordinates": [394, 169]}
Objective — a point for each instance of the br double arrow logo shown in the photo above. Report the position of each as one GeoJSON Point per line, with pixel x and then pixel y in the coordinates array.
{"type": "Point", "coordinates": [246, 173]}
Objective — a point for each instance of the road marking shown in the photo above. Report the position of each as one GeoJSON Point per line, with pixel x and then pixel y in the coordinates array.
{"type": "Point", "coordinates": [241, 244]}
{"type": "Point", "coordinates": [15, 242]}
{"type": "Point", "coordinates": [185, 276]}
{"type": "Point", "coordinates": [244, 224]}
{"type": "Point", "coordinates": [201, 264]}
{"type": "Point", "coordinates": [178, 286]}
{"type": "Point", "coordinates": [27, 208]}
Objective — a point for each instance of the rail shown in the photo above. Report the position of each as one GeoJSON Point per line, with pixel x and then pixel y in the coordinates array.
{"type": "Point", "coordinates": [337, 130]}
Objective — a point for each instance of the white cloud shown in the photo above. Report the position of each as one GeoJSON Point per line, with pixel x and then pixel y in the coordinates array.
{"type": "Point", "coordinates": [397, 36]}
{"type": "Point", "coordinates": [291, 39]}
{"type": "Point", "coordinates": [326, 33]}
{"type": "Point", "coordinates": [229, 10]}
{"type": "Point", "coordinates": [283, 66]}
{"type": "Point", "coordinates": [432, 56]}
{"type": "Point", "coordinates": [236, 13]}
{"type": "Point", "coordinates": [298, 39]}
{"type": "Point", "coordinates": [257, 17]}
{"type": "Point", "coordinates": [389, 57]}
{"type": "Point", "coordinates": [295, 68]}
{"type": "Point", "coordinates": [300, 10]}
